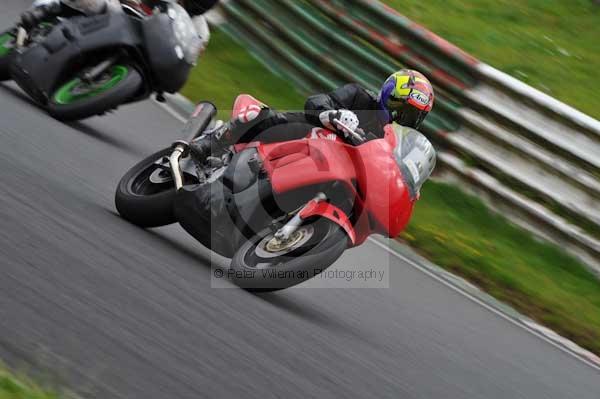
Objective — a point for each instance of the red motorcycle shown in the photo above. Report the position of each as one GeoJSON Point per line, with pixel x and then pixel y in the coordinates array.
{"type": "Point", "coordinates": [283, 212]}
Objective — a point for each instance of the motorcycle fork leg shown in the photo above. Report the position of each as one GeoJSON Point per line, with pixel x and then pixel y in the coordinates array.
{"type": "Point", "coordinates": [98, 70]}
{"type": "Point", "coordinates": [21, 37]}
{"type": "Point", "coordinates": [295, 222]}
{"type": "Point", "coordinates": [180, 149]}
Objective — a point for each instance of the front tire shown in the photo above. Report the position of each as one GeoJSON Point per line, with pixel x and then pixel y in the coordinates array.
{"type": "Point", "coordinates": [142, 202]}
{"type": "Point", "coordinates": [75, 99]}
{"type": "Point", "coordinates": [261, 266]}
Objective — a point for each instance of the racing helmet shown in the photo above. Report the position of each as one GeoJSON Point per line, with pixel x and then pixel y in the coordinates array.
{"type": "Point", "coordinates": [407, 97]}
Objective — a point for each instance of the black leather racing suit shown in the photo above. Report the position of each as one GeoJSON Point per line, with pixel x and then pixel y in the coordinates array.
{"type": "Point", "coordinates": [273, 126]}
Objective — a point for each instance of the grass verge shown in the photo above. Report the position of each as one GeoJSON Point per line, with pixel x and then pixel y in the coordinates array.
{"type": "Point", "coordinates": [549, 44]}
{"type": "Point", "coordinates": [458, 232]}
{"type": "Point", "coordinates": [453, 229]}
{"type": "Point", "coordinates": [20, 387]}
{"type": "Point", "coordinates": [227, 69]}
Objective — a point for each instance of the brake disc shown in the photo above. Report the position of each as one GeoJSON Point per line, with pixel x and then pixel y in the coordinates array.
{"type": "Point", "coordinates": [271, 247]}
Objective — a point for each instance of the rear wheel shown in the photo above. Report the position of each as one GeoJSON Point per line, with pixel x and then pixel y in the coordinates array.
{"type": "Point", "coordinates": [267, 264]}
{"type": "Point", "coordinates": [145, 195]}
{"type": "Point", "coordinates": [7, 44]}
{"type": "Point", "coordinates": [77, 99]}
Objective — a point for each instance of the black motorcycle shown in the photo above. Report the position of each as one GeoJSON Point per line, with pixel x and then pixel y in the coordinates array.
{"type": "Point", "coordinates": [82, 66]}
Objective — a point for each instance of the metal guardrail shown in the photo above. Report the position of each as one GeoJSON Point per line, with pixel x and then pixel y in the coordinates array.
{"type": "Point", "coordinates": [515, 151]}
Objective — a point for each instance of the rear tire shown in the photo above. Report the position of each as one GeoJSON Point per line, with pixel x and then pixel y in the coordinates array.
{"type": "Point", "coordinates": [257, 269]}
{"type": "Point", "coordinates": [7, 40]}
{"type": "Point", "coordinates": [76, 100]}
{"type": "Point", "coordinates": [142, 202]}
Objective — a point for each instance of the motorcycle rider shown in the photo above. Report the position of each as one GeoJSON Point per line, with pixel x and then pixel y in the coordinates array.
{"type": "Point", "coordinates": [406, 98]}
{"type": "Point", "coordinates": [45, 9]}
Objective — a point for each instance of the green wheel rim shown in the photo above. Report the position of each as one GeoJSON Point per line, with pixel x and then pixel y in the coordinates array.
{"type": "Point", "coordinates": [76, 90]}
{"type": "Point", "coordinates": [6, 44]}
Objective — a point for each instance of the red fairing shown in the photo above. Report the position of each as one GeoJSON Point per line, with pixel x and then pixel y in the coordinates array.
{"type": "Point", "coordinates": [300, 163]}
{"type": "Point", "coordinates": [331, 212]}
{"type": "Point", "coordinates": [382, 202]}
{"type": "Point", "coordinates": [369, 173]}
{"type": "Point", "coordinates": [385, 200]}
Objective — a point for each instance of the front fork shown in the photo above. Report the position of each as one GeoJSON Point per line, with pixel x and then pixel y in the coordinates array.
{"type": "Point", "coordinates": [22, 36]}
{"type": "Point", "coordinates": [284, 233]}
{"type": "Point", "coordinates": [94, 73]}
{"type": "Point", "coordinates": [195, 126]}
{"type": "Point", "coordinates": [317, 207]}
{"type": "Point", "coordinates": [180, 149]}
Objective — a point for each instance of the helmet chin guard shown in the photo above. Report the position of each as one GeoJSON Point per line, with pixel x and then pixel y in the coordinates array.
{"type": "Point", "coordinates": [198, 7]}
{"type": "Point", "coordinates": [406, 97]}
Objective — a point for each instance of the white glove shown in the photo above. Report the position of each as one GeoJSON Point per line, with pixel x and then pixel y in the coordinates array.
{"type": "Point", "coordinates": [348, 118]}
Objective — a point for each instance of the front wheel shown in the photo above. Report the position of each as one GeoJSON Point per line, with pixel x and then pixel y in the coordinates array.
{"type": "Point", "coordinates": [7, 44]}
{"type": "Point", "coordinates": [265, 264]}
{"type": "Point", "coordinates": [77, 99]}
{"type": "Point", "coordinates": [145, 195]}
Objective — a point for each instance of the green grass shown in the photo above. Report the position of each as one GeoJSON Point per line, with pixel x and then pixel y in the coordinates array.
{"type": "Point", "coordinates": [20, 387]}
{"type": "Point", "coordinates": [227, 69]}
{"type": "Point", "coordinates": [554, 45]}
{"type": "Point", "coordinates": [459, 233]}
{"type": "Point", "coordinates": [454, 230]}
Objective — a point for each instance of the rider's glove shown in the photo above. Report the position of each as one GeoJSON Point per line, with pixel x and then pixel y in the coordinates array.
{"type": "Point", "coordinates": [348, 118]}
{"type": "Point", "coordinates": [349, 121]}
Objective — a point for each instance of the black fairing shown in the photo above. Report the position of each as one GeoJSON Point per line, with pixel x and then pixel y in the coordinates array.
{"type": "Point", "coordinates": [221, 218]}
{"type": "Point", "coordinates": [241, 174]}
{"type": "Point", "coordinates": [169, 72]}
{"type": "Point", "coordinates": [42, 67]}
{"type": "Point", "coordinates": [201, 211]}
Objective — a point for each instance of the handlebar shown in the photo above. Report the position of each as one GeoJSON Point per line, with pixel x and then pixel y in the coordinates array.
{"type": "Point", "coordinates": [359, 137]}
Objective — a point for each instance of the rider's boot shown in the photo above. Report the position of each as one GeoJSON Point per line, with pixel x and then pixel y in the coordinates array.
{"type": "Point", "coordinates": [211, 142]}
{"type": "Point", "coordinates": [238, 130]}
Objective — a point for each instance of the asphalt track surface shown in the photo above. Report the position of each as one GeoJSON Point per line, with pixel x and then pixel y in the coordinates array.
{"type": "Point", "coordinates": [112, 310]}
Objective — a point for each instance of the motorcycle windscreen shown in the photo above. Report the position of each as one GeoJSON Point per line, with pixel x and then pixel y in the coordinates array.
{"type": "Point", "coordinates": [415, 157]}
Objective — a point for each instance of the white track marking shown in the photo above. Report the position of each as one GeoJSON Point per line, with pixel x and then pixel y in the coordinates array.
{"type": "Point", "coordinates": [478, 301]}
